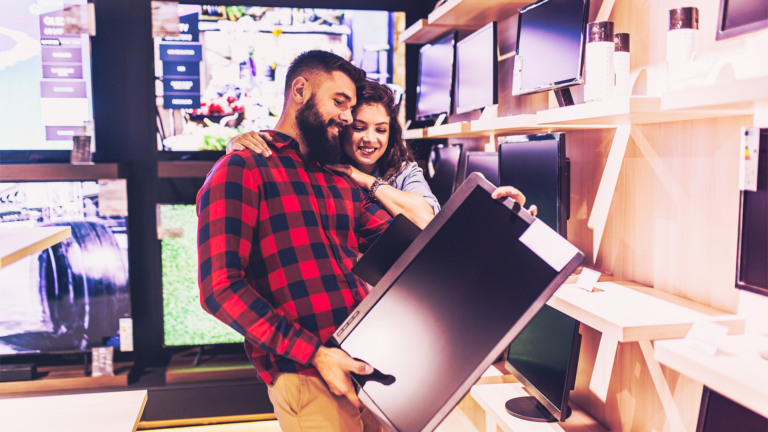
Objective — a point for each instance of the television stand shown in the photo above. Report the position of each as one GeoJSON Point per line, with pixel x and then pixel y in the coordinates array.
{"type": "Point", "coordinates": [528, 408]}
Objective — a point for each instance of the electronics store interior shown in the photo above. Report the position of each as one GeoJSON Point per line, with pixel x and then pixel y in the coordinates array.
{"type": "Point", "coordinates": [554, 214]}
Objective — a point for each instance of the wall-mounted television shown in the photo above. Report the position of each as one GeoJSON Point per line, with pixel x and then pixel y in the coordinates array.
{"type": "Point", "coordinates": [225, 72]}
{"type": "Point", "coordinates": [70, 296]}
{"type": "Point", "coordinates": [45, 81]}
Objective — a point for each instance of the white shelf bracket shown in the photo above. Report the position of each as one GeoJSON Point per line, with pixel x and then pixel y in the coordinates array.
{"type": "Point", "coordinates": [667, 400]}
{"type": "Point", "coordinates": [605, 191]}
{"type": "Point", "coordinates": [601, 374]}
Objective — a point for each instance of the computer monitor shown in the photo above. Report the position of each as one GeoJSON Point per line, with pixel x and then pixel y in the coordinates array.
{"type": "Point", "coordinates": [720, 414]}
{"type": "Point", "coordinates": [71, 296]}
{"type": "Point", "coordinates": [477, 73]}
{"type": "Point", "coordinates": [752, 259]}
{"type": "Point", "coordinates": [486, 163]}
{"type": "Point", "coordinates": [448, 307]}
{"type": "Point", "coordinates": [544, 357]}
{"type": "Point", "coordinates": [386, 250]}
{"type": "Point", "coordinates": [551, 39]}
{"type": "Point", "coordinates": [444, 160]}
{"type": "Point", "coordinates": [185, 323]}
{"type": "Point", "coordinates": [537, 166]}
{"type": "Point", "coordinates": [434, 94]}
{"type": "Point", "coordinates": [738, 17]}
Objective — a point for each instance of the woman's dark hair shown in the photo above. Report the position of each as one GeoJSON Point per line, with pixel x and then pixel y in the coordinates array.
{"type": "Point", "coordinates": [372, 93]}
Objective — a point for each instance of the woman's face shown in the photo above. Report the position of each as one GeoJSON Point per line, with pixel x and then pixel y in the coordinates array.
{"type": "Point", "coordinates": [366, 140]}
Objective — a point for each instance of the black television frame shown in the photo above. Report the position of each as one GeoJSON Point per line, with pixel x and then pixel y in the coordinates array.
{"type": "Point", "coordinates": [704, 410]}
{"type": "Point", "coordinates": [723, 33]}
{"type": "Point", "coordinates": [454, 35]}
{"type": "Point", "coordinates": [474, 181]}
{"type": "Point", "coordinates": [558, 84]}
{"type": "Point", "coordinates": [494, 69]}
{"type": "Point", "coordinates": [570, 382]}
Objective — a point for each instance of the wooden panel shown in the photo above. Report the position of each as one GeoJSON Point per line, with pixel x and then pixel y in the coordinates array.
{"type": "Point", "coordinates": [410, 134]}
{"type": "Point", "coordinates": [118, 412]}
{"type": "Point", "coordinates": [731, 95]}
{"type": "Point", "coordinates": [207, 421]}
{"type": "Point", "coordinates": [19, 242]}
{"type": "Point", "coordinates": [474, 13]}
{"type": "Point", "coordinates": [421, 32]}
{"type": "Point", "coordinates": [184, 169]}
{"type": "Point", "coordinates": [61, 172]}
{"type": "Point", "coordinates": [217, 368]}
{"type": "Point", "coordinates": [57, 378]}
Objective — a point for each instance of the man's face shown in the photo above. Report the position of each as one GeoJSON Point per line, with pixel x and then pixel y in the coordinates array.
{"type": "Point", "coordinates": [324, 115]}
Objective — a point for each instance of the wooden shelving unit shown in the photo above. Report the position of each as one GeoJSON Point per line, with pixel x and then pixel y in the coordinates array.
{"type": "Point", "coordinates": [184, 169]}
{"type": "Point", "coordinates": [61, 172]}
{"type": "Point", "coordinates": [421, 32]}
{"type": "Point", "coordinates": [216, 368]}
{"type": "Point", "coordinates": [58, 378]}
{"type": "Point", "coordinates": [737, 371]}
{"type": "Point", "coordinates": [411, 134]}
{"type": "Point", "coordinates": [524, 123]}
{"type": "Point", "coordinates": [474, 13]}
{"type": "Point", "coordinates": [734, 96]}
{"type": "Point", "coordinates": [19, 242]}
{"type": "Point", "coordinates": [450, 130]}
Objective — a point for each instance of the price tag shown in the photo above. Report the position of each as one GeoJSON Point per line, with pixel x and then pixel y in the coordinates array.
{"type": "Point", "coordinates": [706, 336]}
{"type": "Point", "coordinates": [587, 279]}
{"type": "Point", "coordinates": [548, 245]}
{"type": "Point", "coordinates": [113, 198]}
{"type": "Point", "coordinates": [748, 157]}
{"type": "Point", "coordinates": [102, 361]}
{"type": "Point", "coordinates": [126, 334]}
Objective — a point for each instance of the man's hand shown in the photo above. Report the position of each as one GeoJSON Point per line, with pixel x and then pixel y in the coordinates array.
{"type": "Point", "coordinates": [516, 195]}
{"type": "Point", "coordinates": [256, 141]}
{"type": "Point", "coordinates": [335, 366]}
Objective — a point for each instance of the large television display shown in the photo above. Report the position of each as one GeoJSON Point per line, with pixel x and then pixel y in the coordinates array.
{"type": "Point", "coordinates": [45, 76]}
{"type": "Point", "coordinates": [185, 323]}
{"type": "Point", "coordinates": [70, 296]}
{"type": "Point", "coordinates": [225, 72]}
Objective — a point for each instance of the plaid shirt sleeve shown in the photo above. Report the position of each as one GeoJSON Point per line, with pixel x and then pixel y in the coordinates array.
{"type": "Point", "coordinates": [373, 221]}
{"type": "Point", "coordinates": [228, 207]}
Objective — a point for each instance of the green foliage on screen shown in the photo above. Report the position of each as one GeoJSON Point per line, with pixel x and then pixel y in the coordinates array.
{"type": "Point", "coordinates": [185, 321]}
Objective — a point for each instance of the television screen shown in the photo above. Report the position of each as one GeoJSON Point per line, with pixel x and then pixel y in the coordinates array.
{"type": "Point", "coordinates": [45, 75]}
{"type": "Point", "coordinates": [225, 71]}
{"type": "Point", "coordinates": [752, 261]}
{"type": "Point", "coordinates": [435, 91]}
{"type": "Point", "coordinates": [486, 163]}
{"type": "Point", "coordinates": [720, 414]}
{"type": "Point", "coordinates": [477, 70]}
{"type": "Point", "coordinates": [741, 16]}
{"type": "Point", "coordinates": [70, 296]}
{"type": "Point", "coordinates": [542, 355]}
{"type": "Point", "coordinates": [550, 45]}
{"type": "Point", "coordinates": [184, 320]}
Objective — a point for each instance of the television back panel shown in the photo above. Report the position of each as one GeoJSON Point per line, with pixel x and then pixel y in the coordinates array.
{"type": "Point", "coordinates": [449, 306]}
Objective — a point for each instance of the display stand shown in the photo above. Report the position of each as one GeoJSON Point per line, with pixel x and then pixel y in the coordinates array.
{"type": "Point", "coordinates": [209, 367]}
{"type": "Point", "coordinates": [57, 378]}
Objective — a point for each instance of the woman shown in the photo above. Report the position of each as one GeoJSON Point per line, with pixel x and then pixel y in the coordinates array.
{"type": "Point", "coordinates": [375, 156]}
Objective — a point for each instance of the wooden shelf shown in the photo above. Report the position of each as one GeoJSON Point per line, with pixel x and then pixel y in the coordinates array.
{"type": "Point", "coordinates": [634, 110]}
{"type": "Point", "coordinates": [737, 371]}
{"type": "Point", "coordinates": [450, 130]}
{"type": "Point", "coordinates": [61, 172]}
{"type": "Point", "coordinates": [19, 242]}
{"type": "Point", "coordinates": [735, 96]}
{"type": "Point", "coordinates": [631, 312]}
{"type": "Point", "coordinates": [504, 125]}
{"type": "Point", "coordinates": [217, 368]}
{"type": "Point", "coordinates": [57, 378]}
{"type": "Point", "coordinates": [421, 32]}
{"type": "Point", "coordinates": [474, 13]}
{"type": "Point", "coordinates": [184, 169]}
{"type": "Point", "coordinates": [492, 397]}
{"type": "Point", "coordinates": [414, 134]}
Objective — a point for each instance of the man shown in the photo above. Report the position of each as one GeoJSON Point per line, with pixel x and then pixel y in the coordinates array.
{"type": "Point", "coordinates": [277, 237]}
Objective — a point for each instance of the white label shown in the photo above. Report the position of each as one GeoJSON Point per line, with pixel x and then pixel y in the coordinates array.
{"type": "Point", "coordinates": [706, 336]}
{"type": "Point", "coordinates": [126, 334]}
{"type": "Point", "coordinates": [587, 279]}
{"type": "Point", "coordinates": [748, 158]}
{"type": "Point", "coordinates": [517, 74]}
{"type": "Point", "coordinates": [113, 198]}
{"type": "Point", "coordinates": [548, 245]}
{"type": "Point", "coordinates": [102, 361]}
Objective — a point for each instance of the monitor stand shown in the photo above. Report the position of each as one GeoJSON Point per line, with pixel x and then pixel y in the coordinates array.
{"type": "Point", "coordinates": [528, 408]}
{"type": "Point", "coordinates": [564, 97]}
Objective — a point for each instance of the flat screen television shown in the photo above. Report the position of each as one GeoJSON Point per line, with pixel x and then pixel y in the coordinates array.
{"type": "Point", "coordinates": [720, 414]}
{"type": "Point", "coordinates": [430, 328]}
{"type": "Point", "coordinates": [544, 357]}
{"type": "Point", "coordinates": [486, 163]}
{"type": "Point", "coordinates": [443, 166]}
{"type": "Point", "coordinates": [738, 17]}
{"type": "Point", "coordinates": [537, 166]}
{"type": "Point", "coordinates": [70, 296]}
{"type": "Point", "coordinates": [45, 81]}
{"type": "Point", "coordinates": [225, 72]}
{"type": "Point", "coordinates": [434, 94]}
{"type": "Point", "coordinates": [752, 259]}
{"type": "Point", "coordinates": [477, 71]}
{"type": "Point", "coordinates": [185, 323]}
{"type": "Point", "coordinates": [551, 39]}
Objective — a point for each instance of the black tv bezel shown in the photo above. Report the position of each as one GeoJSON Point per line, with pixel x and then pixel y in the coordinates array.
{"type": "Point", "coordinates": [563, 174]}
{"type": "Point", "coordinates": [723, 33]}
{"type": "Point", "coordinates": [494, 69]}
{"type": "Point", "coordinates": [558, 84]}
{"type": "Point", "coordinates": [570, 380]}
{"type": "Point", "coordinates": [479, 153]}
{"type": "Point", "coordinates": [454, 35]}
{"type": "Point", "coordinates": [474, 181]}
{"type": "Point", "coordinates": [739, 283]}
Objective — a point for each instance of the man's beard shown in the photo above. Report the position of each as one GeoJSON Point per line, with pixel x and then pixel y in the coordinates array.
{"type": "Point", "coordinates": [323, 148]}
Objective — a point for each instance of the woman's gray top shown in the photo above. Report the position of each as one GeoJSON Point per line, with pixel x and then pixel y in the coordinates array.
{"type": "Point", "coordinates": [411, 179]}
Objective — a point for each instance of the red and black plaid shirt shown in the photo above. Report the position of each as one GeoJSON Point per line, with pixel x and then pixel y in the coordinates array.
{"type": "Point", "coordinates": [277, 238]}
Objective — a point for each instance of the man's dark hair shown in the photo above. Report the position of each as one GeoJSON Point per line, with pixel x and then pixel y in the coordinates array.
{"type": "Point", "coordinates": [321, 61]}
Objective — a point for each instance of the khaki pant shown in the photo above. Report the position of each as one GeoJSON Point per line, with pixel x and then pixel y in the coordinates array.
{"type": "Point", "coordinates": [304, 403]}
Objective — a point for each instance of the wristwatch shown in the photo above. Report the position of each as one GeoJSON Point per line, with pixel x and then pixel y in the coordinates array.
{"type": "Point", "coordinates": [374, 186]}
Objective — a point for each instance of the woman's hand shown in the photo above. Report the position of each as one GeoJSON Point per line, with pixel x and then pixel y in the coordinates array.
{"type": "Point", "coordinates": [256, 141]}
{"type": "Point", "coordinates": [362, 179]}
{"type": "Point", "coordinates": [516, 195]}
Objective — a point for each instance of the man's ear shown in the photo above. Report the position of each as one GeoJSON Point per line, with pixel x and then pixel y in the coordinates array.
{"type": "Point", "coordinates": [300, 90]}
